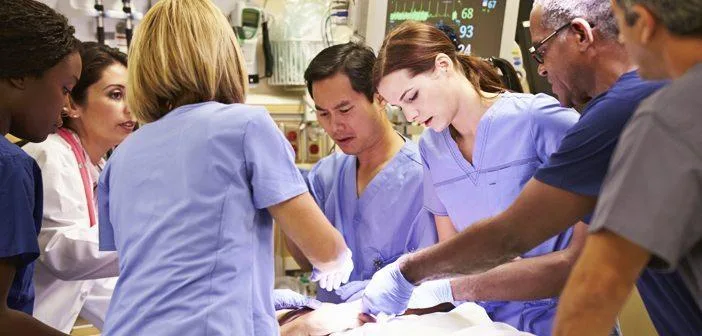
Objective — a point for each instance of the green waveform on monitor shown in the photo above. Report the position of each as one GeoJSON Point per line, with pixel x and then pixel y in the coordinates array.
{"type": "Point", "coordinates": [412, 16]}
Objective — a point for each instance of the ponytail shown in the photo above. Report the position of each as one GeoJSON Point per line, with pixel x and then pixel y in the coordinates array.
{"type": "Point", "coordinates": [510, 79]}
{"type": "Point", "coordinates": [480, 73]}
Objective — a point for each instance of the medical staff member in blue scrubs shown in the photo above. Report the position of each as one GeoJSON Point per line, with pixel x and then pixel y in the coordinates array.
{"type": "Point", "coordinates": [586, 65]}
{"type": "Point", "coordinates": [482, 144]}
{"type": "Point", "coordinates": [371, 191]}
{"type": "Point", "coordinates": [187, 201]}
{"type": "Point", "coordinates": [39, 65]}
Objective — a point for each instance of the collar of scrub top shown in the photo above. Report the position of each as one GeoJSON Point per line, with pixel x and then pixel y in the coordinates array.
{"type": "Point", "coordinates": [79, 153]}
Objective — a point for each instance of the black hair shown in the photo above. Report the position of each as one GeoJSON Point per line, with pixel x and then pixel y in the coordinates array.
{"type": "Point", "coordinates": [96, 58]}
{"type": "Point", "coordinates": [509, 76]}
{"type": "Point", "coordinates": [450, 32]}
{"type": "Point", "coordinates": [352, 59]}
{"type": "Point", "coordinates": [33, 38]}
{"type": "Point", "coordinates": [683, 18]}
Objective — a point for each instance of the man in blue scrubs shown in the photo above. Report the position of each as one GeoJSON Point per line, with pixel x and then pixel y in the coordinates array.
{"type": "Point", "coordinates": [39, 64]}
{"type": "Point", "coordinates": [372, 192]}
{"type": "Point", "coordinates": [650, 207]}
{"type": "Point", "coordinates": [581, 57]}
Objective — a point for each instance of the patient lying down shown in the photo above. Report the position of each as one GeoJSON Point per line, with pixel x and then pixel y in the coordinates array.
{"type": "Point", "coordinates": [343, 319]}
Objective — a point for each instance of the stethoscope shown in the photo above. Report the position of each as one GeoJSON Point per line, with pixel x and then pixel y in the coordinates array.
{"type": "Point", "coordinates": [78, 152]}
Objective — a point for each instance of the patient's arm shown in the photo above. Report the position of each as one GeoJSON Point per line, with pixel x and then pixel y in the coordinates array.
{"type": "Point", "coordinates": [331, 318]}
{"type": "Point", "coordinates": [327, 319]}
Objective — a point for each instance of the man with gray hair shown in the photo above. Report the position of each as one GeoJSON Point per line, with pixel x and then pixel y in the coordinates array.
{"type": "Point", "coordinates": [650, 209]}
{"type": "Point", "coordinates": [579, 53]}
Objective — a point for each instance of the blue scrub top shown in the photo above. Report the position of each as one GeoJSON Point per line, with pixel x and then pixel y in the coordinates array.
{"type": "Point", "coordinates": [183, 201]}
{"type": "Point", "coordinates": [385, 222]}
{"type": "Point", "coordinates": [582, 160]}
{"type": "Point", "coordinates": [580, 166]}
{"type": "Point", "coordinates": [515, 136]}
{"type": "Point", "coordinates": [21, 201]}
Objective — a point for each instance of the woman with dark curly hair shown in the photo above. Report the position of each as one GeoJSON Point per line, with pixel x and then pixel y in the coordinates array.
{"type": "Point", "coordinates": [39, 66]}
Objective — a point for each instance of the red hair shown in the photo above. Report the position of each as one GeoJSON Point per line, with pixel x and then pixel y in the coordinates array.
{"type": "Point", "coordinates": [414, 46]}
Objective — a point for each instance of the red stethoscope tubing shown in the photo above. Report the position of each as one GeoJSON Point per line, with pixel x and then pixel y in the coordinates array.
{"type": "Point", "coordinates": [82, 166]}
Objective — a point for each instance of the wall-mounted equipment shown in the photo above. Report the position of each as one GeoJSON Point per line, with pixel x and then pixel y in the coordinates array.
{"type": "Point", "coordinates": [129, 28]}
{"type": "Point", "coordinates": [298, 35]}
{"type": "Point", "coordinates": [486, 28]}
{"type": "Point", "coordinates": [100, 9]}
{"type": "Point", "coordinates": [246, 21]}
{"type": "Point", "coordinates": [104, 21]}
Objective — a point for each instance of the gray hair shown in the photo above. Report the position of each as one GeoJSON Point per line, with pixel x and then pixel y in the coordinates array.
{"type": "Point", "coordinates": [556, 13]}
{"type": "Point", "coordinates": [680, 17]}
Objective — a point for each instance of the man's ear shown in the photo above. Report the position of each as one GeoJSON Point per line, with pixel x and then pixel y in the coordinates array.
{"type": "Point", "coordinates": [583, 31]}
{"type": "Point", "coordinates": [645, 22]}
{"type": "Point", "coordinates": [18, 82]}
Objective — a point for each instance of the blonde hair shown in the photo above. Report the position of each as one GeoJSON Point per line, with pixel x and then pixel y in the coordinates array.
{"type": "Point", "coordinates": [183, 52]}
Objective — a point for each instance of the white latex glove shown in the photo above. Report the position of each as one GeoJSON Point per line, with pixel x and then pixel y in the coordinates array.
{"type": "Point", "coordinates": [352, 291]}
{"type": "Point", "coordinates": [332, 278]}
{"type": "Point", "coordinates": [289, 299]}
{"type": "Point", "coordinates": [388, 292]}
{"type": "Point", "coordinates": [431, 293]}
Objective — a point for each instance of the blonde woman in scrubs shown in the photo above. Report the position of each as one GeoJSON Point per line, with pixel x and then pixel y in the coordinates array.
{"type": "Point", "coordinates": [188, 200]}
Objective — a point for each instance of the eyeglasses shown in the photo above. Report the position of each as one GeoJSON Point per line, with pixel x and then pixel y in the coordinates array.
{"type": "Point", "coordinates": [534, 50]}
{"type": "Point", "coordinates": [539, 55]}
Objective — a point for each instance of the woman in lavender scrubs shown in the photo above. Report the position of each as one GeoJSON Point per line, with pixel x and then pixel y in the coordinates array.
{"type": "Point", "coordinates": [482, 144]}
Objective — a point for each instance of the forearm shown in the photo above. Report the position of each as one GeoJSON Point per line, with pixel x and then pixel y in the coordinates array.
{"type": "Point", "coordinates": [299, 257]}
{"type": "Point", "coordinates": [540, 212]}
{"type": "Point", "coordinates": [587, 310]}
{"type": "Point", "coordinates": [13, 322]}
{"type": "Point", "coordinates": [481, 247]}
{"type": "Point", "coordinates": [600, 283]}
{"type": "Point", "coordinates": [524, 278]}
{"type": "Point", "coordinates": [520, 280]}
{"type": "Point", "coordinates": [303, 223]}
{"type": "Point", "coordinates": [73, 254]}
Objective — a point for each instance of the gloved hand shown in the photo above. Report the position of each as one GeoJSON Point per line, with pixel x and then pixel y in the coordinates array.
{"type": "Point", "coordinates": [352, 291]}
{"type": "Point", "coordinates": [388, 291]}
{"type": "Point", "coordinates": [288, 299]}
{"type": "Point", "coordinates": [431, 293]}
{"type": "Point", "coordinates": [330, 279]}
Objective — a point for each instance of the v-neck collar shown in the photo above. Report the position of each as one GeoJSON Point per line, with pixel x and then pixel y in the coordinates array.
{"type": "Point", "coordinates": [481, 137]}
{"type": "Point", "coordinates": [377, 181]}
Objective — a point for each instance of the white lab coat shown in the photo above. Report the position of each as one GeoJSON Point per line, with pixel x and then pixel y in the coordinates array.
{"type": "Point", "coordinates": [64, 276]}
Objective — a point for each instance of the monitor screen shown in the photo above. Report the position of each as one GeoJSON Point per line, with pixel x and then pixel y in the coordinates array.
{"type": "Point", "coordinates": [477, 23]}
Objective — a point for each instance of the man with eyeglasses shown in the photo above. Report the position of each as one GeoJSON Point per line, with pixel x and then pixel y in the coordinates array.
{"type": "Point", "coordinates": [579, 53]}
